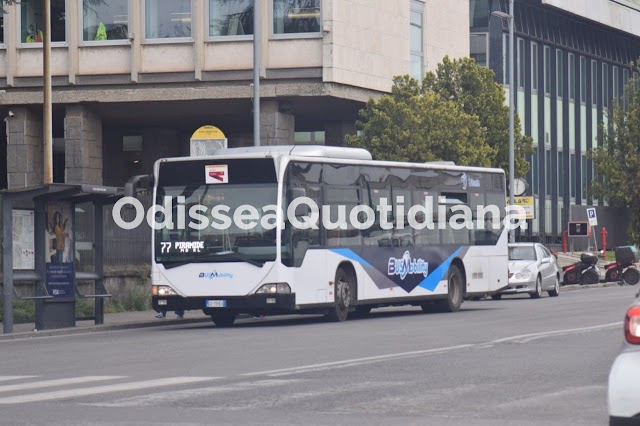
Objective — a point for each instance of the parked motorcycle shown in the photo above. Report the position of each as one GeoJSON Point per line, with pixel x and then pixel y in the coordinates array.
{"type": "Point", "coordinates": [624, 269]}
{"type": "Point", "coordinates": [585, 271]}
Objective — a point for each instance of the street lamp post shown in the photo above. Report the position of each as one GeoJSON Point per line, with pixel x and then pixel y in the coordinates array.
{"type": "Point", "coordinates": [512, 104]}
{"type": "Point", "coordinates": [257, 64]}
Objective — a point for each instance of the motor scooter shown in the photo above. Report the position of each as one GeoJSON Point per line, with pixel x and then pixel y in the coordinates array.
{"type": "Point", "coordinates": [585, 271]}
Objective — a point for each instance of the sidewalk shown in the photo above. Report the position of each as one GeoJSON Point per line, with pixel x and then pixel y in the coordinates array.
{"type": "Point", "coordinates": [115, 321]}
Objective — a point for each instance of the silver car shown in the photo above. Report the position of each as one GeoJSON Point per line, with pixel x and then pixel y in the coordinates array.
{"type": "Point", "coordinates": [533, 269]}
{"type": "Point", "coordinates": [624, 378]}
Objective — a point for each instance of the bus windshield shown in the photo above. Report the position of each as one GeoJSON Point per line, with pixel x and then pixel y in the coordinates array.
{"type": "Point", "coordinates": [210, 220]}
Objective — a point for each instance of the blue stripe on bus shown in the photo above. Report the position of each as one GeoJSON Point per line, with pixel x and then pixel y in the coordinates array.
{"type": "Point", "coordinates": [350, 254]}
{"type": "Point", "coordinates": [431, 282]}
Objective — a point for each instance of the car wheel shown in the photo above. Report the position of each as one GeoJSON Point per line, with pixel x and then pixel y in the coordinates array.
{"type": "Point", "coordinates": [455, 291]}
{"type": "Point", "coordinates": [496, 296]}
{"type": "Point", "coordinates": [223, 318]}
{"type": "Point", "coordinates": [344, 293]}
{"type": "Point", "coordinates": [538, 292]}
{"type": "Point", "coordinates": [556, 288]}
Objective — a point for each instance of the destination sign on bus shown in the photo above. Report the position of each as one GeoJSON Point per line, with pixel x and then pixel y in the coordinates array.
{"type": "Point", "coordinates": [182, 246]}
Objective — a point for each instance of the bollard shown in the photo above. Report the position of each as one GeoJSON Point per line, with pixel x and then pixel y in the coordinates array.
{"type": "Point", "coordinates": [603, 238]}
{"type": "Point", "coordinates": [565, 237]}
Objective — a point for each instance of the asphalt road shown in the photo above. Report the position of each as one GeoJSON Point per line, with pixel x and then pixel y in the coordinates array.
{"type": "Point", "coordinates": [516, 361]}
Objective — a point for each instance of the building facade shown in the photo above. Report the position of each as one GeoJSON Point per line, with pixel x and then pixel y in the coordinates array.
{"type": "Point", "coordinates": [572, 64]}
{"type": "Point", "coordinates": [134, 78]}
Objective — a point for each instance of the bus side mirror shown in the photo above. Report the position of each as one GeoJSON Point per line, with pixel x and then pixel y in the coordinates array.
{"type": "Point", "coordinates": [136, 182]}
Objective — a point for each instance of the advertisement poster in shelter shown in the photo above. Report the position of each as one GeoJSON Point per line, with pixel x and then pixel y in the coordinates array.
{"type": "Point", "coordinates": [59, 249]}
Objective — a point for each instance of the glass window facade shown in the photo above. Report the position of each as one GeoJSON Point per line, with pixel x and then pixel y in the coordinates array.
{"type": "Point", "coordinates": [479, 13]}
{"type": "Point", "coordinates": [605, 86]}
{"type": "Point", "coordinates": [230, 18]}
{"type": "Point", "coordinates": [534, 172]}
{"type": "Point", "coordinates": [572, 176]}
{"type": "Point", "coordinates": [534, 67]}
{"type": "Point", "coordinates": [548, 170]}
{"type": "Point", "coordinates": [506, 58]}
{"type": "Point", "coordinates": [583, 79]}
{"type": "Point", "coordinates": [559, 73]}
{"type": "Point", "coordinates": [296, 16]}
{"type": "Point", "coordinates": [521, 64]}
{"type": "Point", "coordinates": [560, 175]}
{"type": "Point", "coordinates": [105, 20]}
{"type": "Point", "coordinates": [594, 83]}
{"type": "Point", "coordinates": [1, 28]}
{"type": "Point", "coordinates": [31, 29]}
{"type": "Point", "coordinates": [168, 19]}
{"type": "Point", "coordinates": [417, 42]}
{"type": "Point", "coordinates": [583, 174]}
{"type": "Point", "coordinates": [615, 77]}
{"type": "Point", "coordinates": [572, 77]}
{"type": "Point", "coordinates": [547, 70]}
{"type": "Point", "coordinates": [479, 48]}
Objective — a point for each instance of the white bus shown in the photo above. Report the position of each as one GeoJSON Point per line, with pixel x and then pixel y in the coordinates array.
{"type": "Point", "coordinates": [230, 270]}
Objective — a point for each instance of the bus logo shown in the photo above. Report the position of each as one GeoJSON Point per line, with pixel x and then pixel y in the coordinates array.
{"type": "Point", "coordinates": [407, 266]}
{"type": "Point", "coordinates": [216, 174]}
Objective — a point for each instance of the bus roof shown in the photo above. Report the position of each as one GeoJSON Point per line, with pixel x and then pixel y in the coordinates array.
{"type": "Point", "coordinates": [296, 150]}
{"type": "Point", "coordinates": [326, 153]}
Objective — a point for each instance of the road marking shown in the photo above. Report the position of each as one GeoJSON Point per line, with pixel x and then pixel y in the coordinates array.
{"type": "Point", "coordinates": [165, 398]}
{"type": "Point", "coordinates": [356, 361]}
{"type": "Point", "coordinates": [97, 390]}
{"type": "Point", "coordinates": [523, 338]}
{"type": "Point", "coordinates": [9, 378]}
{"type": "Point", "coordinates": [57, 382]}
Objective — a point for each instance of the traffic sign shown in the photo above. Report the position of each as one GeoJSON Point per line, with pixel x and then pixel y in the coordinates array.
{"type": "Point", "coordinates": [593, 216]}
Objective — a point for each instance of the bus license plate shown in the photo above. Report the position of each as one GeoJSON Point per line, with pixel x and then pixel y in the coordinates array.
{"type": "Point", "coordinates": [216, 303]}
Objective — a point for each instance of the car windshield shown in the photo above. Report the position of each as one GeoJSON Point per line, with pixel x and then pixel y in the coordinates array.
{"type": "Point", "coordinates": [522, 253]}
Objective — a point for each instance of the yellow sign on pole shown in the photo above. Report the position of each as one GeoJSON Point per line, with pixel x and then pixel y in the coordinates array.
{"type": "Point", "coordinates": [208, 133]}
{"type": "Point", "coordinates": [528, 204]}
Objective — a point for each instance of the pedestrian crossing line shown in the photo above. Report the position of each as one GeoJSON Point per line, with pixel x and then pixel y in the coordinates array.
{"type": "Point", "coordinates": [10, 378]}
{"type": "Point", "coordinates": [97, 390]}
{"type": "Point", "coordinates": [168, 397]}
{"type": "Point", "coordinates": [57, 382]}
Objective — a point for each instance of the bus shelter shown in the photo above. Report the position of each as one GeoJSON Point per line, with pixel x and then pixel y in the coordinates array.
{"type": "Point", "coordinates": [39, 247]}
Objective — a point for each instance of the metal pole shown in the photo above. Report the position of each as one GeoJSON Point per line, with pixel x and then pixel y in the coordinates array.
{"type": "Point", "coordinates": [7, 264]}
{"type": "Point", "coordinates": [512, 106]}
{"type": "Point", "coordinates": [257, 59]}
{"type": "Point", "coordinates": [47, 107]}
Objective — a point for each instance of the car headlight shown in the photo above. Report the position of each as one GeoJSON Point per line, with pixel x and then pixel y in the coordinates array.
{"type": "Point", "coordinates": [523, 275]}
{"type": "Point", "coordinates": [163, 291]}
{"type": "Point", "coordinates": [275, 288]}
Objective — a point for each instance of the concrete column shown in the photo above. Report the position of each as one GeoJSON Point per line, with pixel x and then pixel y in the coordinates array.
{"type": "Point", "coordinates": [25, 161]}
{"type": "Point", "coordinates": [277, 123]}
{"type": "Point", "coordinates": [335, 132]}
{"type": "Point", "coordinates": [83, 146]}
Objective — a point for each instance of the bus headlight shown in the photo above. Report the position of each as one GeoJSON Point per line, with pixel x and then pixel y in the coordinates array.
{"type": "Point", "coordinates": [163, 291]}
{"type": "Point", "coordinates": [281, 288]}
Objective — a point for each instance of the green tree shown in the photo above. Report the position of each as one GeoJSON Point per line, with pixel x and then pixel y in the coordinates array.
{"type": "Point", "coordinates": [474, 89]}
{"type": "Point", "coordinates": [464, 89]}
{"type": "Point", "coordinates": [408, 125]}
{"type": "Point", "coordinates": [617, 157]}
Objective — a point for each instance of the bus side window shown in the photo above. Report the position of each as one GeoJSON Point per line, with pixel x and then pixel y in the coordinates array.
{"type": "Point", "coordinates": [303, 239]}
{"type": "Point", "coordinates": [430, 234]}
{"type": "Point", "coordinates": [449, 234]}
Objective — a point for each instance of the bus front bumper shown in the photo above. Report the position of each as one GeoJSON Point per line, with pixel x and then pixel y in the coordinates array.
{"type": "Point", "coordinates": [253, 303]}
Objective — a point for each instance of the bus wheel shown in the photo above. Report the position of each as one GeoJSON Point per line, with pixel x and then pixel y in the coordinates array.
{"type": "Point", "coordinates": [223, 318]}
{"type": "Point", "coordinates": [344, 293]}
{"type": "Point", "coordinates": [455, 292]}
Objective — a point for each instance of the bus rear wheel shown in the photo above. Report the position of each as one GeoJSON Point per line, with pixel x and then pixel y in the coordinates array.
{"type": "Point", "coordinates": [223, 318]}
{"type": "Point", "coordinates": [344, 296]}
{"type": "Point", "coordinates": [455, 293]}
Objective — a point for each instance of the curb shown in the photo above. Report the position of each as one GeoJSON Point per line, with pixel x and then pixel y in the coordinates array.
{"type": "Point", "coordinates": [587, 286]}
{"type": "Point", "coordinates": [101, 328]}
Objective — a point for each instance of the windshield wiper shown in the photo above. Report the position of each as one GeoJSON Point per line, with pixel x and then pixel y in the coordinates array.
{"type": "Point", "coordinates": [202, 257]}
